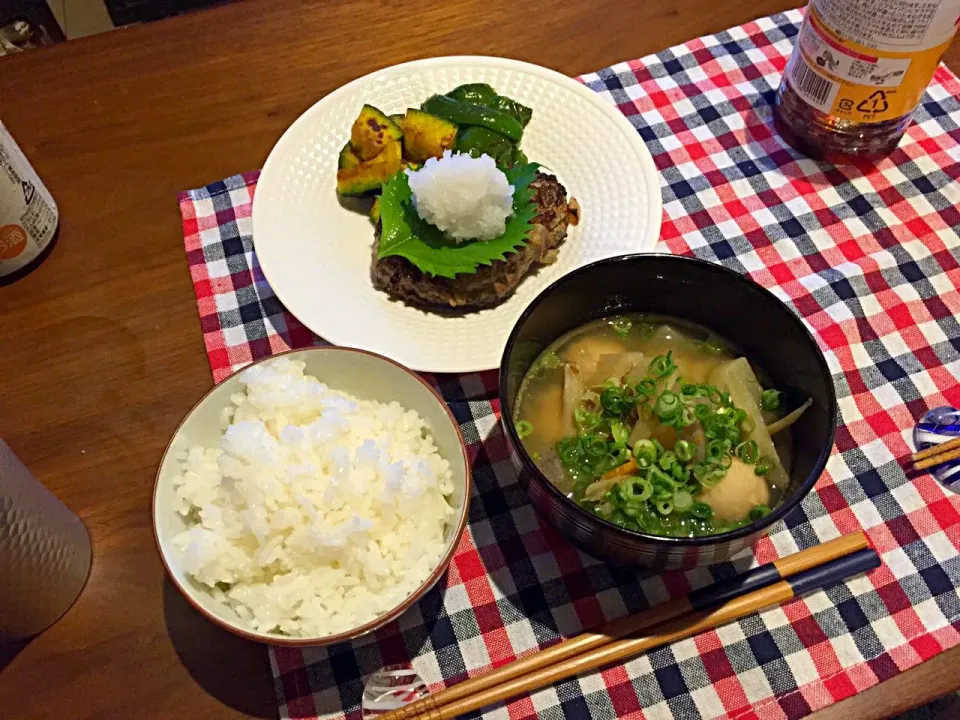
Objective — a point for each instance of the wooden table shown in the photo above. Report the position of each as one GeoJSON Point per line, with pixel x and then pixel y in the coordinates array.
{"type": "Point", "coordinates": [100, 348]}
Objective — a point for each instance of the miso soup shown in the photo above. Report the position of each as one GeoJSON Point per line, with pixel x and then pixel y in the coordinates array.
{"type": "Point", "coordinates": [657, 425]}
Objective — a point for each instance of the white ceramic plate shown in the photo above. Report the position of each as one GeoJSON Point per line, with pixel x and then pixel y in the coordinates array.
{"type": "Point", "coordinates": [316, 254]}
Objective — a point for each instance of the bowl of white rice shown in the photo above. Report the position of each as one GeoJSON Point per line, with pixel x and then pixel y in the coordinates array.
{"type": "Point", "coordinates": [312, 497]}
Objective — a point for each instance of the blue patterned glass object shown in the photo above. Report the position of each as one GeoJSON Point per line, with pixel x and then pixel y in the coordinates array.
{"type": "Point", "coordinates": [938, 426]}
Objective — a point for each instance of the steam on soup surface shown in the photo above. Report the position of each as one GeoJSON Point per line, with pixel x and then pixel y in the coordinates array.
{"type": "Point", "coordinates": [656, 425]}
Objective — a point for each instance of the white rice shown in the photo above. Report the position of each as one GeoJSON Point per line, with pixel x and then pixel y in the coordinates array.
{"type": "Point", "coordinates": [467, 198]}
{"type": "Point", "coordinates": [319, 512]}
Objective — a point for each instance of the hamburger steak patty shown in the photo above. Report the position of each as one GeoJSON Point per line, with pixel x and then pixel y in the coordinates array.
{"type": "Point", "coordinates": [490, 284]}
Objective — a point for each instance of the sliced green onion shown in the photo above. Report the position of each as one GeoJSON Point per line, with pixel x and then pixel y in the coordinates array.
{"type": "Point", "coordinates": [710, 427]}
{"type": "Point", "coordinates": [667, 461]}
{"type": "Point", "coordinates": [662, 494]}
{"type": "Point", "coordinates": [714, 395]}
{"type": "Point", "coordinates": [701, 510]}
{"type": "Point", "coordinates": [580, 486]}
{"type": "Point", "coordinates": [716, 449]}
{"type": "Point", "coordinates": [524, 428]}
{"type": "Point", "coordinates": [618, 520]}
{"type": "Point", "coordinates": [748, 451]}
{"type": "Point", "coordinates": [764, 465]}
{"type": "Point", "coordinates": [646, 388]}
{"type": "Point", "coordinates": [585, 419]}
{"type": "Point", "coordinates": [664, 507]}
{"type": "Point", "coordinates": [713, 475]}
{"type": "Point", "coordinates": [645, 453]}
{"type": "Point", "coordinates": [684, 450]}
{"type": "Point", "coordinates": [595, 446]}
{"type": "Point", "coordinates": [636, 490]}
{"type": "Point", "coordinates": [723, 418]}
{"type": "Point", "coordinates": [682, 500]}
{"type": "Point", "coordinates": [611, 400]}
{"type": "Point", "coordinates": [759, 511]}
{"type": "Point", "coordinates": [569, 455]}
{"type": "Point", "coordinates": [662, 366]}
{"type": "Point", "coordinates": [550, 361]}
{"type": "Point", "coordinates": [701, 412]}
{"type": "Point", "coordinates": [667, 406]}
{"type": "Point", "coordinates": [685, 418]}
{"type": "Point", "coordinates": [660, 480]}
{"type": "Point", "coordinates": [619, 456]}
{"type": "Point", "coordinates": [770, 400]}
{"type": "Point", "coordinates": [616, 497]}
{"type": "Point", "coordinates": [620, 433]}
{"type": "Point", "coordinates": [733, 437]}
{"type": "Point", "coordinates": [621, 326]}
{"type": "Point", "coordinates": [535, 455]}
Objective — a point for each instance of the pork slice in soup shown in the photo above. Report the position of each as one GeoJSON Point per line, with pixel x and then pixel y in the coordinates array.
{"type": "Point", "coordinates": [584, 351]}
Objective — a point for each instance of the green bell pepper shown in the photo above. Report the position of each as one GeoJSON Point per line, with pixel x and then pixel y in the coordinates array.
{"type": "Point", "coordinates": [485, 96]}
{"type": "Point", "coordinates": [477, 141]}
{"type": "Point", "coordinates": [475, 94]}
{"type": "Point", "coordinates": [467, 114]}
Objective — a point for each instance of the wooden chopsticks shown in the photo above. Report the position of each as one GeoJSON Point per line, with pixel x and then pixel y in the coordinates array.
{"type": "Point", "coordinates": [705, 608]}
{"type": "Point", "coordinates": [935, 455]}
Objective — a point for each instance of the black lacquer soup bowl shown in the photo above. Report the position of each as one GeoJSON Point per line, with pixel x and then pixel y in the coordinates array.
{"type": "Point", "coordinates": [731, 305]}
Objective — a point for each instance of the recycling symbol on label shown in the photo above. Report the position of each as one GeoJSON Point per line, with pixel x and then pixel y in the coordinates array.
{"type": "Point", "coordinates": [876, 103]}
{"type": "Point", "coordinates": [28, 191]}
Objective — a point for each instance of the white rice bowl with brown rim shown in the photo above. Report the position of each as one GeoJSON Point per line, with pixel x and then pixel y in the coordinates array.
{"type": "Point", "coordinates": [318, 512]}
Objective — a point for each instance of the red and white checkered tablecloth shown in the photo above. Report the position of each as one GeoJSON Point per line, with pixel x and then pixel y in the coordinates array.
{"type": "Point", "coordinates": [869, 259]}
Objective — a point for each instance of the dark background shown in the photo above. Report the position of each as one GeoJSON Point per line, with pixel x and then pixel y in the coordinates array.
{"type": "Point", "coordinates": [125, 12]}
{"type": "Point", "coordinates": [122, 12]}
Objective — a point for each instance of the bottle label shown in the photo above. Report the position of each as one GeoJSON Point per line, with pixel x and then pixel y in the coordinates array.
{"type": "Point", "coordinates": [869, 61]}
{"type": "Point", "coordinates": [28, 214]}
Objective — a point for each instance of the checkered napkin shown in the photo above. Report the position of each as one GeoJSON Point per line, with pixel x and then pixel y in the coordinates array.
{"type": "Point", "coordinates": [870, 260]}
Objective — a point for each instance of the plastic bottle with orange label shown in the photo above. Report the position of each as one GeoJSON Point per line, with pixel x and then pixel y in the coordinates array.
{"type": "Point", "coordinates": [29, 218]}
{"type": "Point", "coordinates": [858, 71]}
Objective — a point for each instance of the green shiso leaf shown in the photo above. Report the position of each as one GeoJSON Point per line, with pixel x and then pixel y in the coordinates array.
{"type": "Point", "coordinates": [406, 234]}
